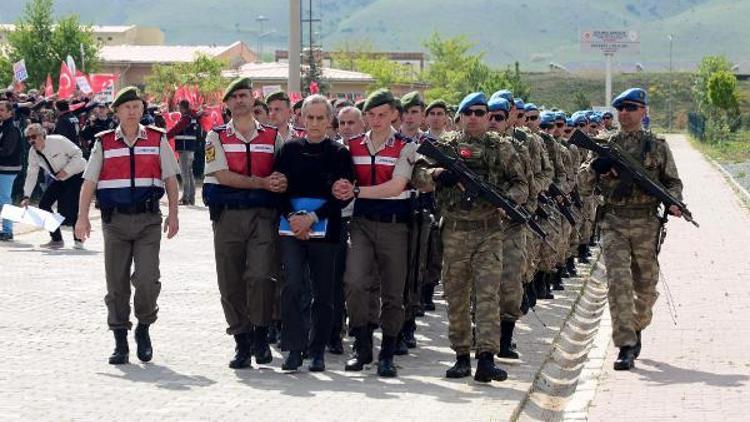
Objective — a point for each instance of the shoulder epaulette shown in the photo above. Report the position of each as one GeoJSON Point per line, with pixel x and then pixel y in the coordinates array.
{"type": "Point", "coordinates": [402, 137]}
{"type": "Point", "coordinates": [156, 128]}
{"type": "Point", "coordinates": [104, 132]}
{"type": "Point", "coordinates": [219, 128]}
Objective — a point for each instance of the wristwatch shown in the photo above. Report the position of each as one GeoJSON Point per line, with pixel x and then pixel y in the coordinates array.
{"type": "Point", "coordinates": [356, 191]}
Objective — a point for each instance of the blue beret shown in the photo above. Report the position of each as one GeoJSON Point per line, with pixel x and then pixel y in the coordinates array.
{"type": "Point", "coordinates": [475, 98]}
{"type": "Point", "coordinates": [579, 117]}
{"type": "Point", "coordinates": [569, 122]}
{"type": "Point", "coordinates": [547, 117]}
{"type": "Point", "coordinates": [519, 104]}
{"type": "Point", "coordinates": [595, 118]}
{"type": "Point", "coordinates": [633, 95]}
{"type": "Point", "coordinates": [560, 115]}
{"type": "Point", "coordinates": [503, 93]}
{"type": "Point", "coordinates": [531, 107]}
{"type": "Point", "coordinates": [499, 104]}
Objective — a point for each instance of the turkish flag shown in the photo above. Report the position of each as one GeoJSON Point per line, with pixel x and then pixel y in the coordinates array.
{"type": "Point", "coordinates": [172, 119]}
{"type": "Point", "coordinates": [294, 96]}
{"type": "Point", "coordinates": [211, 117]}
{"type": "Point", "coordinates": [314, 88]}
{"type": "Point", "coordinates": [82, 81]}
{"type": "Point", "coordinates": [48, 89]}
{"type": "Point", "coordinates": [102, 81]}
{"type": "Point", "coordinates": [66, 85]}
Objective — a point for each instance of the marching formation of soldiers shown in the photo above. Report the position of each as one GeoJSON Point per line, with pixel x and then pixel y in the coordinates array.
{"type": "Point", "coordinates": [327, 221]}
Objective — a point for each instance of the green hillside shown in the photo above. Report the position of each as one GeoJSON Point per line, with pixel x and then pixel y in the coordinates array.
{"type": "Point", "coordinates": [533, 32]}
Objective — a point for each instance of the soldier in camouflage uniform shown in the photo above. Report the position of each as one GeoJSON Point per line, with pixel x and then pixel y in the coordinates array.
{"type": "Point", "coordinates": [630, 225]}
{"type": "Point", "coordinates": [473, 236]}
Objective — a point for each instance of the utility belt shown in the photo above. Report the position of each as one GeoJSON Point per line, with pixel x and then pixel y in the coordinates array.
{"type": "Point", "coordinates": [630, 212]}
{"type": "Point", "coordinates": [148, 207]}
{"type": "Point", "coordinates": [466, 225]}
{"type": "Point", "coordinates": [215, 211]}
{"type": "Point", "coordinates": [384, 218]}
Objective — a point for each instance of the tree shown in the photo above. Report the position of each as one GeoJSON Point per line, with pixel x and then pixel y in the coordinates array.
{"type": "Point", "coordinates": [715, 93]}
{"type": "Point", "coordinates": [360, 57]}
{"type": "Point", "coordinates": [722, 90]}
{"type": "Point", "coordinates": [203, 72]}
{"type": "Point", "coordinates": [44, 43]}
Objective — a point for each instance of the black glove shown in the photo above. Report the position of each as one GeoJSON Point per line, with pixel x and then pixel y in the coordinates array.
{"type": "Point", "coordinates": [602, 165]}
{"type": "Point", "coordinates": [447, 179]}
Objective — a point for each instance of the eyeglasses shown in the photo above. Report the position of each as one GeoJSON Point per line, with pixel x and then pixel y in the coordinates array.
{"type": "Point", "coordinates": [497, 117]}
{"type": "Point", "coordinates": [607, 117]}
{"type": "Point", "coordinates": [581, 125]}
{"type": "Point", "coordinates": [594, 126]}
{"type": "Point", "coordinates": [559, 124]}
{"type": "Point", "coordinates": [532, 118]}
{"type": "Point", "coordinates": [476, 112]}
{"type": "Point", "coordinates": [628, 107]}
{"type": "Point", "coordinates": [520, 115]}
{"type": "Point", "coordinates": [567, 130]}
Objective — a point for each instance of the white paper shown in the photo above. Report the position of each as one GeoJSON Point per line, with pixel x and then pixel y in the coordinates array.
{"type": "Point", "coordinates": [32, 216]}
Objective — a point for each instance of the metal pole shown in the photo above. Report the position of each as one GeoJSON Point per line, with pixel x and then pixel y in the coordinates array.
{"type": "Point", "coordinates": [608, 82]}
{"type": "Point", "coordinates": [295, 44]}
{"type": "Point", "coordinates": [83, 60]}
{"type": "Point", "coordinates": [671, 79]}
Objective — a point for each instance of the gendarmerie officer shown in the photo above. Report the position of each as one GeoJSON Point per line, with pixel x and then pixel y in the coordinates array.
{"type": "Point", "coordinates": [129, 170]}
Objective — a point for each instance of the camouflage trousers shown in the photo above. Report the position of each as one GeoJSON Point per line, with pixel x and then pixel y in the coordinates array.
{"type": "Point", "coordinates": [563, 245]}
{"type": "Point", "coordinates": [514, 269]}
{"type": "Point", "coordinates": [472, 262]}
{"type": "Point", "coordinates": [548, 254]}
{"type": "Point", "coordinates": [629, 250]}
{"type": "Point", "coordinates": [533, 249]}
{"type": "Point", "coordinates": [589, 214]}
{"type": "Point", "coordinates": [433, 254]}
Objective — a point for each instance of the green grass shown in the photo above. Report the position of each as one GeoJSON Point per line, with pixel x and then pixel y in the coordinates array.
{"type": "Point", "coordinates": [735, 151]}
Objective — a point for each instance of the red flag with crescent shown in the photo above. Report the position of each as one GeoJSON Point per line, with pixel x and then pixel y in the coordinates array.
{"type": "Point", "coordinates": [48, 89]}
{"type": "Point", "coordinates": [66, 85]}
{"type": "Point", "coordinates": [211, 117]}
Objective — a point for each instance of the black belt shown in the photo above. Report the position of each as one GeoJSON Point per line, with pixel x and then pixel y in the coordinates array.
{"type": "Point", "coordinates": [134, 209]}
{"type": "Point", "coordinates": [384, 218]}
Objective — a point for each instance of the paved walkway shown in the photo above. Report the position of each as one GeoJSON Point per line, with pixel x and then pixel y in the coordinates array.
{"type": "Point", "coordinates": [699, 368]}
{"type": "Point", "coordinates": [55, 345]}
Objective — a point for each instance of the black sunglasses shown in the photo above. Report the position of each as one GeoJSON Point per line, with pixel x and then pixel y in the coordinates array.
{"type": "Point", "coordinates": [581, 125]}
{"type": "Point", "coordinates": [594, 126]}
{"type": "Point", "coordinates": [628, 107]}
{"type": "Point", "coordinates": [476, 112]}
{"type": "Point", "coordinates": [568, 129]}
{"type": "Point", "coordinates": [532, 118]}
{"type": "Point", "coordinates": [607, 117]}
{"type": "Point", "coordinates": [497, 117]}
{"type": "Point", "coordinates": [559, 124]}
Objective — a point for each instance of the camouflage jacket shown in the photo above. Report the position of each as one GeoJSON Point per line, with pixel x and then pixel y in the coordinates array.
{"type": "Point", "coordinates": [492, 157]}
{"type": "Point", "coordinates": [656, 157]}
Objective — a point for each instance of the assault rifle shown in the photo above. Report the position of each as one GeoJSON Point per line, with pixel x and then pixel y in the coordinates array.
{"type": "Point", "coordinates": [628, 167]}
{"type": "Point", "coordinates": [563, 203]}
{"type": "Point", "coordinates": [475, 187]}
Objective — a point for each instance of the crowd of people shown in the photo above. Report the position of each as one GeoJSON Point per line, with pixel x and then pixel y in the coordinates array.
{"type": "Point", "coordinates": [327, 221]}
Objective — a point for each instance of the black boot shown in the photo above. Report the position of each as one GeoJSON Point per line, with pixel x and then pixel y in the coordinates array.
{"type": "Point", "coordinates": [335, 345]}
{"type": "Point", "coordinates": [486, 369]}
{"type": "Point", "coordinates": [120, 355]}
{"type": "Point", "coordinates": [386, 367]}
{"type": "Point", "coordinates": [625, 359]}
{"type": "Point", "coordinates": [273, 333]}
{"type": "Point", "coordinates": [540, 289]}
{"type": "Point", "coordinates": [557, 283]}
{"type": "Point", "coordinates": [427, 292]}
{"type": "Point", "coordinates": [293, 361]}
{"type": "Point", "coordinates": [261, 349]}
{"type": "Point", "coordinates": [549, 279]}
{"type": "Point", "coordinates": [570, 265]}
{"type": "Point", "coordinates": [143, 341]}
{"type": "Point", "coordinates": [401, 348]}
{"type": "Point", "coordinates": [637, 348]}
{"type": "Point", "coordinates": [583, 256]}
{"type": "Point", "coordinates": [410, 327]}
{"type": "Point", "coordinates": [506, 340]}
{"type": "Point", "coordinates": [363, 352]}
{"type": "Point", "coordinates": [460, 369]}
{"type": "Point", "coordinates": [318, 363]}
{"type": "Point", "coordinates": [242, 352]}
{"type": "Point", "coordinates": [588, 251]}
{"type": "Point", "coordinates": [563, 271]}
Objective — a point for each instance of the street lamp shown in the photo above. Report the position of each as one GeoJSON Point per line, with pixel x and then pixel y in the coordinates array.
{"type": "Point", "coordinates": [671, 111]}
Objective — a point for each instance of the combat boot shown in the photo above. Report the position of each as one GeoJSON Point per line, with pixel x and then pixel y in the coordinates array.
{"type": "Point", "coordinates": [261, 349]}
{"type": "Point", "coordinates": [625, 359]}
{"type": "Point", "coordinates": [410, 327]}
{"type": "Point", "coordinates": [120, 355]}
{"type": "Point", "coordinates": [563, 271]}
{"type": "Point", "coordinates": [460, 369]}
{"type": "Point", "coordinates": [583, 255]}
{"type": "Point", "coordinates": [486, 369]}
{"type": "Point", "coordinates": [549, 279]}
{"type": "Point", "coordinates": [557, 283]}
{"type": "Point", "coordinates": [427, 292]}
{"type": "Point", "coordinates": [540, 289]}
{"type": "Point", "coordinates": [242, 352]}
{"type": "Point", "coordinates": [273, 333]}
{"type": "Point", "coordinates": [363, 352]}
{"type": "Point", "coordinates": [401, 348]}
{"type": "Point", "coordinates": [637, 348]}
{"type": "Point", "coordinates": [144, 349]}
{"type": "Point", "coordinates": [293, 361]}
{"type": "Point", "coordinates": [386, 367]}
{"type": "Point", "coordinates": [506, 340]}
{"type": "Point", "coordinates": [570, 265]}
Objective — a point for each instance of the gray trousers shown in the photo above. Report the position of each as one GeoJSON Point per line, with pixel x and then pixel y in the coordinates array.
{"type": "Point", "coordinates": [132, 241]}
{"type": "Point", "coordinates": [186, 173]}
